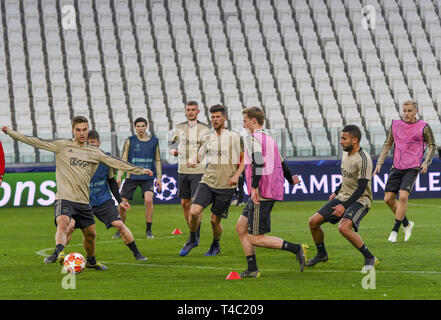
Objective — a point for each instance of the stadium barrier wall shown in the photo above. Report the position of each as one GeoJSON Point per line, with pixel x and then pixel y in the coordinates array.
{"type": "Point", "coordinates": [35, 186]}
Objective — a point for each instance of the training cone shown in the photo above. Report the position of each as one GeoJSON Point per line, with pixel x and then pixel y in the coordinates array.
{"type": "Point", "coordinates": [233, 276]}
{"type": "Point", "coordinates": [177, 231]}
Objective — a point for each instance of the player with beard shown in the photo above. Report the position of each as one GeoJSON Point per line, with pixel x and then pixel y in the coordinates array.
{"type": "Point", "coordinates": [350, 202]}
{"type": "Point", "coordinates": [223, 150]}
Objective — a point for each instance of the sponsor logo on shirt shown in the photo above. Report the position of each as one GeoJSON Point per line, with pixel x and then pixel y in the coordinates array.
{"type": "Point", "coordinates": [80, 163]}
{"type": "Point", "coordinates": [346, 174]}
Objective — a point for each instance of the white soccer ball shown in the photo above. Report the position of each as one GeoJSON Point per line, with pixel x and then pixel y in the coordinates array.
{"type": "Point", "coordinates": [74, 262]}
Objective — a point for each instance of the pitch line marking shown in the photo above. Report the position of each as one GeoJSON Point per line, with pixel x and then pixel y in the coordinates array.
{"type": "Point", "coordinates": [268, 270]}
{"type": "Point", "coordinates": [44, 254]}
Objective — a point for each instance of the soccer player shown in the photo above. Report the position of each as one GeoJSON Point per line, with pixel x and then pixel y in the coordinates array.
{"type": "Point", "coordinates": [141, 149]}
{"type": "Point", "coordinates": [223, 151]}
{"type": "Point", "coordinates": [2, 163]}
{"type": "Point", "coordinates": [350, 202]}
{"type": "Point", "coordinates": [76, 163]}
{"type": "Point", "coordinates": [103, 205]}
{"type": "Point", "coordinates": [264, 174]}
{"type": "Point", "coordinates": [185, 142]}
{"type": "Point", "coordinates": [411, 137]}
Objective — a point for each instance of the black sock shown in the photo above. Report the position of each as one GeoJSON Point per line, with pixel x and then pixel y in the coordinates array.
{"type": "Point", "coordinates": [405, 222]}
{"type": "Point", "coordinates": [193, 236]}
{"type": "Point", "coordinates": [252, 263]}
{"type": "Point", "coordinates": [215, 243]}
{"type": "Point", "coordinates": [132, 246]}
{"type": "Point", "coordinates": [397, 225]}
{"type": "Point", "coordinates": [288, 246]}
{"type": "Point", "coordinates": [321, 251]}
{"type": "Point", "coordinates": [199, 230]}
{"type": "Point", "coordinates": [91, 260]}
{"type": "Point", "coordinates": [149, 226]}
{"type": "Point", "coordinates": [365, 252]}
{"type": "Point", "coordinates": [58, 249]}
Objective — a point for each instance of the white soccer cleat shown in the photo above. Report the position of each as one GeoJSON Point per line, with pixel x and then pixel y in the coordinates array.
{"type": "Point", "coordinates": [393, 236]}
{"type": "Point", "coordinates": [408, 230]}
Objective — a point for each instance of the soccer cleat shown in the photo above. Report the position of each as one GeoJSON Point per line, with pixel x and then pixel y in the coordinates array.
{"type": "Point", "coordinates": [117, 235]}
{"type": "Point", "coordinates": [408, 230]}
{"type": "Point", "coordinates": [301, 256]}
{"type": "Point", "coordinates": [149, 234]}
{"type": "Point", "coordinates": [61, 257]}
{"type": "Point", "coordinates": [51, 259]}
{"type": "Point", "coordinates": [393, 236]}
{"type": "Point", "coordinates": [213, 251]}
{"type": "Point", "coordinates": [140, 257]}
{"type": "Point", "coordinates": [187, 248]}
{"type": "Point", "coordinates": [250, 274]}
{"type": "Point", "coordinates": [316, 260]}
{"type": "Point", "coordinates": [369, 264]}
{"type": "Point", "coordinates": [96, 266]}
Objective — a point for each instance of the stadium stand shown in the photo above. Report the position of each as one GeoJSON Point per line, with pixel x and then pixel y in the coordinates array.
{"type": "Point", "coordinates": [314, 66]}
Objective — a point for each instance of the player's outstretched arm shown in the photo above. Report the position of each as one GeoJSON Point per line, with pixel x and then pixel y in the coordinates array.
{"type": "Point", "coordinates": [120, 165]}
{"type": "Point", "coordinates": [32, 141]}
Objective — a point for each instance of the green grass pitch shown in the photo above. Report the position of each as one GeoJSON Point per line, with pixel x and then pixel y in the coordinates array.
{"type": "Point", "coordinates": [407, 270]}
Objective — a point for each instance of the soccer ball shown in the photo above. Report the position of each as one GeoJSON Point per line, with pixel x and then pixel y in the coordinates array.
{"type": "Point", "coordinates": [74, 262]}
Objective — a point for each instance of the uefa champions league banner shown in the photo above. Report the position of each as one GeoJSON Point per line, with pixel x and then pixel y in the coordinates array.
{"type": "Point", "coordinates": [27, 187]}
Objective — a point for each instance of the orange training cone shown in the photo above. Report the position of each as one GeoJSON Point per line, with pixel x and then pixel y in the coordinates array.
{"type": "Point", "coordinates": [233, 276]}
{"type": "Point", "coordinates": [177, 231]}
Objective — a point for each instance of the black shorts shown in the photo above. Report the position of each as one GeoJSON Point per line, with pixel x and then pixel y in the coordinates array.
{"type": "Point", "coordinates": [259, 216]}
{"type": "Point", "coordinates": [80, 212]}
{"type": "Point", "coordinates": [187, 185]}
{"type": "Point", "coordinates": [107, 213]}
{"type": "Point", "coordinates": [130, 186]}
{"type": "Point", "coordinates": [355, 213]}
{"type": "Point", "coordinates": [220, 198]}
{"type": "Point", "coordinates": [401, 180]}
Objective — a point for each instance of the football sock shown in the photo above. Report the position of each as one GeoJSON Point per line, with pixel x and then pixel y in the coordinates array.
{"type": "Point", "coordinates": [58, 249]}
{"type": "Point", "coordinates": [215, 243]}
{"type": "Point", "coordinates": [132, 246]}
{"type": "Point", "coordinates": [288, 246]}
{"type": "Point", "coordinates": [199, 230]}
{"type": "Point", "coordinates": [252, 263]}
{"type": "Point", "coordinates": [396, 225]}
{"type": "Point", "coordinates": [149, 226]}
{"type": "Point", "coordinates": [91, 260]}
{"type": "Point", "coordinates": [365, 252]}
{"type": "Point", "coordinates": [321, 251]}
{"type": "Point", "coordinates": [405, 222]}
{"type": "Point", "coordinates": [193, 236]}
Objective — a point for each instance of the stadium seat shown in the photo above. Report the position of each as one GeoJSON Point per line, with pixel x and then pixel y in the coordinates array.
{"type": "Point", "coordinates": [310, 64]}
